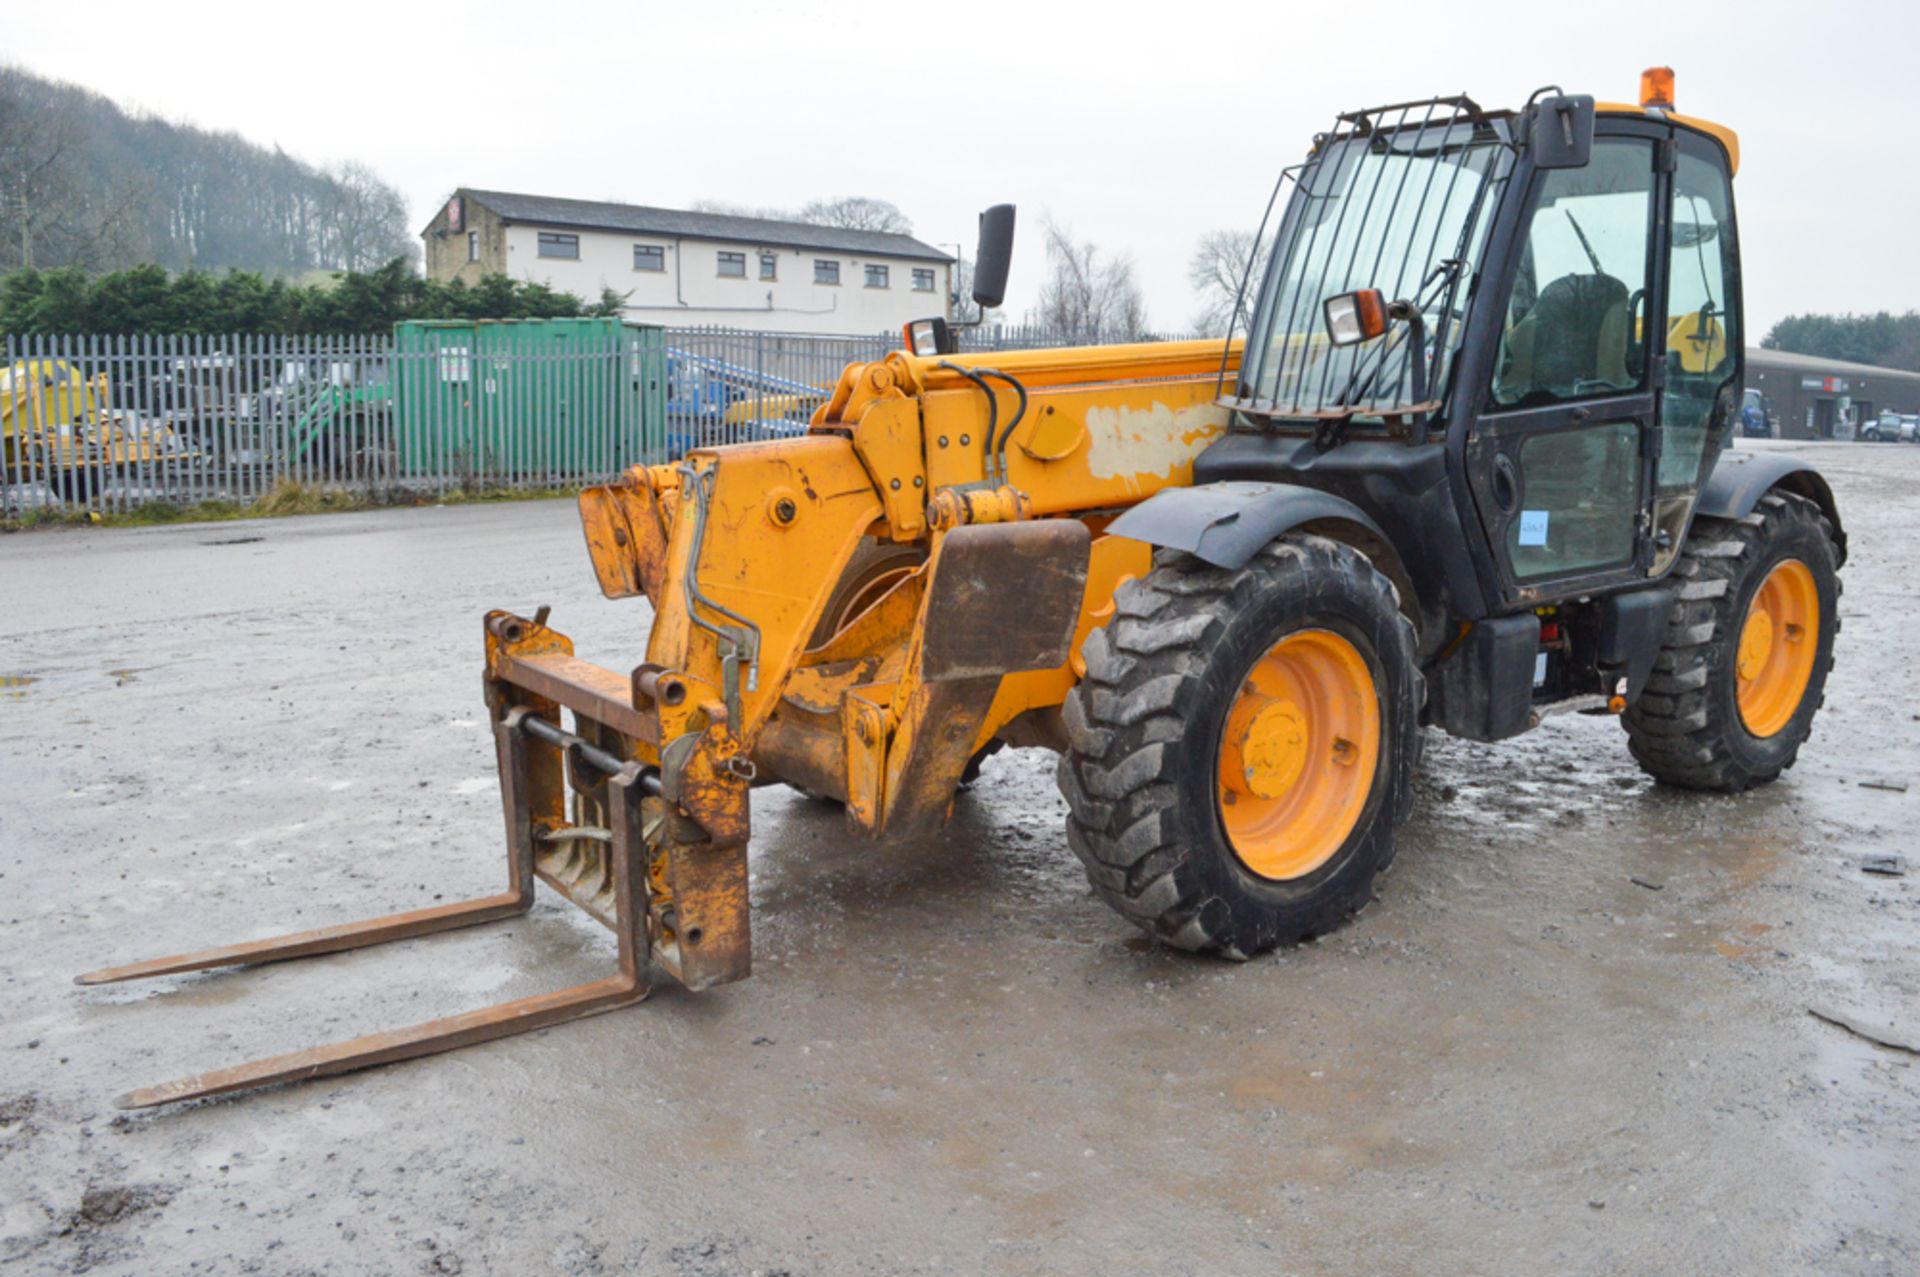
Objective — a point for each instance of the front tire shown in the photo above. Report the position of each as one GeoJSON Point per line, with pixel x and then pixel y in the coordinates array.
{"type": "Point", "coordinates": [1748, 647]}
{"type": "Point", "coordinates": [1241, 749]}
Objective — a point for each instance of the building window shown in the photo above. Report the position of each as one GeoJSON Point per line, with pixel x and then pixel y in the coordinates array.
{"type": "Point", "coordinates": [877, 277]}
{"type": "Point", "coordinates": [733, 265]}
{"type": "Point", "coordinates": [769, 266]}
{"type": "Point", "coordinates": [649, 257]}
{"type": "Point", "coordinates": [473, 246]}
{"type": "Point", "coordinates": [825, 272]}
{"type": "Point", "coordinates": [567, 246]}
{"type": "Point", "coordinates": [922, 280]}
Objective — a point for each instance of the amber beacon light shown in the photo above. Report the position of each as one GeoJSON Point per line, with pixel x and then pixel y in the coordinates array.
{"type": "Point", "coordinates": [1656, 88]}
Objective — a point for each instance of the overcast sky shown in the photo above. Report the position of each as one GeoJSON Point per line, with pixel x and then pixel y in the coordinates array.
{"type": "Point", "coordinates": [1139, 127]}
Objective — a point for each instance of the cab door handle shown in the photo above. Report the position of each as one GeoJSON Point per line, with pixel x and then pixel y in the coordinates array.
{"type": "Point", "coordinates": [1506, 483]}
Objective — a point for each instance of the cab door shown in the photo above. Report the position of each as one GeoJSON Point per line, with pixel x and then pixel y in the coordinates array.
{"type": "Point", "coordinates": [1703, 361]}
{"type": "Point", "coordinates": [1560, 454]}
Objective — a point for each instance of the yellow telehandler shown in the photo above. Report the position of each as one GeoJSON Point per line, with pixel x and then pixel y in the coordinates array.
{"type": "Point", "coordinates": [1465, 467]}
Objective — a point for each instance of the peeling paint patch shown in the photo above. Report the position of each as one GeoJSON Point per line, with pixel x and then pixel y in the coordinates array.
{"type": "Point", "coordinates": [1153, 444]}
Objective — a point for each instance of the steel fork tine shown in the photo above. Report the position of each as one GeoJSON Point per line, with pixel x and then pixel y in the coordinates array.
{"type": "Point", "coordinates": [516, 899]}
{"type": "Point", "coordinates": [334, 939]}
{"type": "Point", "coordinates": [428, 1038]}
{"type": "Point", "coordinates": [627, 854]}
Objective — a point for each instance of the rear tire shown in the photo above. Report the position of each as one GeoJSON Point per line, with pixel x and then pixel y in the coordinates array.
{"type": "Point", "coordinates": [1688, 728]}
{"type": "Point", "coordinates": [1143, 775]}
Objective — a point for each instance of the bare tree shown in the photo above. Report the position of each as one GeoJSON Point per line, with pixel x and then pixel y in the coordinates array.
{"type": "Point", "coordinates": [727, 208]}
{"type": "Point", "coordinates": [849, 212]}
{"type": "Point", "coordinates": [363, 220]}
{"type": "Point", "coordinates": [1219, 263]}
{"type": "Point", "coordinates": [55, 211]}
{"type": "Point", "coordinates": [1086, 296]}
{"type": "Point", "coordinates": [857, 213]}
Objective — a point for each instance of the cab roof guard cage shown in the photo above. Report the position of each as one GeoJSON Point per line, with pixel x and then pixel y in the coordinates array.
{"type": "Point", "coordinates": [1355, 220]}
{"type": "Point", "coordinates": [1466, 110]}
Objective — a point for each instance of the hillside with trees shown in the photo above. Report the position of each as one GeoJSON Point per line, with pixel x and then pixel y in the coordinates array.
{"type": "Point", "coordinates": [84, 184]}
{"type": "Point", "coordinates": [1884, 339]}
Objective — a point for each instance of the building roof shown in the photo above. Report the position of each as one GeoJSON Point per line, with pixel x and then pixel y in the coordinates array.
{"type": "Point", "coordinates": [1788, 361]}
{"type": "Point", "coordinates": [599, 215]}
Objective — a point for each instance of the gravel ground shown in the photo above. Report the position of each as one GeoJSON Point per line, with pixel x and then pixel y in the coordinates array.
{"type": "Point", "coordinates": [1572, 1035]}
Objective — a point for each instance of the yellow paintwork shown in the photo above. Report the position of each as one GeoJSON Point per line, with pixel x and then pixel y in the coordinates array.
{"type": "Point", "coordinates": [899, 439]}
{"type": "Point", "coordinates": [1698, 353]}
{"type": "Point", "coordinates": [1720, 133]}
{"type": "Point", "coordinates": [36, 393]}
{"type": "Point", "coordinates": [888, 443]}
{"type": "Point", "coordinates": [1052, 436]}
{"type": "Point", "coordinates": [1779, 639]}
{"type": "Point", "coordinates": [769, 407]}
{"type": "Point", "coordinates": [1299, 753]}
{"type": "Point", "coordinates": [50, 411]}
{"type": "Point", "coordinates": [1131, 435]}
{"type": "Point", "coordinates": [777, 576]}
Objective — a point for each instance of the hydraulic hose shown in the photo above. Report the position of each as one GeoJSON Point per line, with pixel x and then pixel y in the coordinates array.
{"type": "Point", "coordinates": [1000, 444]}
{"type": "Point", "coordinates": [993, 410]}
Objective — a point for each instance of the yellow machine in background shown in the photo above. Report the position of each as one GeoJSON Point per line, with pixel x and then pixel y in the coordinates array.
{"type": "Point", "coordinates": [58, 427]}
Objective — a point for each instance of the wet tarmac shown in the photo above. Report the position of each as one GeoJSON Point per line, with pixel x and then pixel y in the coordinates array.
{"type": "Point", "coordinates": [1573, 1034]}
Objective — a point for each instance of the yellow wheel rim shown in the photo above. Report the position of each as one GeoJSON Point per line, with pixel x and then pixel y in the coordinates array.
{"type": "Point", "coordinates": [1298, 754]}
{"type": "Point", "coordinates": [1778, 641]}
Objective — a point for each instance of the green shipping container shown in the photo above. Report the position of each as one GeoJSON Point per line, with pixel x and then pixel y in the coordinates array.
{"type": "Point", "coordinates": [528, 400]}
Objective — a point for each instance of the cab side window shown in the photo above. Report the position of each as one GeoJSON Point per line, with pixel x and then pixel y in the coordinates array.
{"type": "Point", "coordinates": [1703, 316]}
{"type": "Point", "coordinates": [1575, 315]}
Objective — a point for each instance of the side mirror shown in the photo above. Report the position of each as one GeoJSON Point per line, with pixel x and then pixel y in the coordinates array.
{"type": "Point", "coordinates": [929, 337]}
{"type": "Point", "coordinates": [1560, 131]}
{"type": "Point", "coordinates": [1355, 317]}
{"type": "Point", "coordinates": [993, 257]}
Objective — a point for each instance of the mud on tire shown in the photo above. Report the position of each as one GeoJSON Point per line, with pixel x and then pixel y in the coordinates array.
{"type": "Point", "coordinates": [1145, 724]}
{"type": "Point", "coordinates": [1686, 729]}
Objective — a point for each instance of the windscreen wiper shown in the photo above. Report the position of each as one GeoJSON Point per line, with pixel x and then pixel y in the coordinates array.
{"type": "Point", "coordinates": [1584, 242]}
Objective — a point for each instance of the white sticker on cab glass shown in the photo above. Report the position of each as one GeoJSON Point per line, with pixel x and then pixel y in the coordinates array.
{"type": "Point", "coordinates": [1533, 527]}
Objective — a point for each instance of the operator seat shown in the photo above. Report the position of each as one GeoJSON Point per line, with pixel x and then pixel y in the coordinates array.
{"type": "Point", "coordinates": [1576, 333]}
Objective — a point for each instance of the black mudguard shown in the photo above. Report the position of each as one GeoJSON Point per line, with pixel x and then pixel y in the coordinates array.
{"type": "Point", "coordinates": [1226, 523]}
{"type": "Point", "coordinates": [1740, 479]}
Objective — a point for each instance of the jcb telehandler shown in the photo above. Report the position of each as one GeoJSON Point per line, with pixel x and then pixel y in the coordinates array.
{"type": "Point", "coordinates": [1465, 467]}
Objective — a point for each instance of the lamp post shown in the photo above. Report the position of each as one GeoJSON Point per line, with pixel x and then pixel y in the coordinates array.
{"type": "Point", "coordinates": [953, 275]}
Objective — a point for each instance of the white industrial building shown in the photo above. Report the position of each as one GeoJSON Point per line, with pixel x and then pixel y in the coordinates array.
{"type": "Point", "coordinates": [677, 267]}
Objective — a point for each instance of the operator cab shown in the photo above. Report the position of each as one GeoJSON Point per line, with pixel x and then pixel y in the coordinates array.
{"type": "Point", "coordinates": [1548, 297]}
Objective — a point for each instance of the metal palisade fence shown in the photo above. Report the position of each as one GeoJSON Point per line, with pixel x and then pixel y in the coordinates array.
{"type": "Point", "coordinates": [108, 423]}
